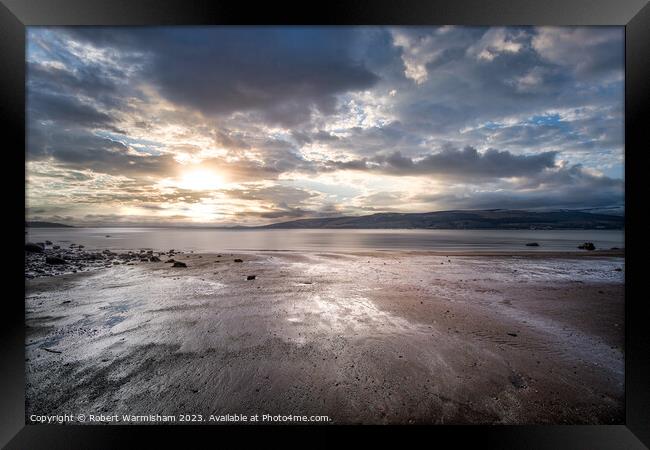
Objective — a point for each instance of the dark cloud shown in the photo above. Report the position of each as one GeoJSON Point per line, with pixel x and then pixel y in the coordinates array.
{"type": "Point", "coordinates": [587, 51]}
{"type": "Point", "coordinates": [566, 187]}
{"type": "Point", "coordinates": [230, 140]}
{"type": "Point", "coordinates": [466, 163]}
{"type": "Point", "coordinates": [281, 73]}
{"type": "Point", "coordinates": [88, 81]}
{"type": "Point", "coordinates": [66, 111]}
{"type": "Point", "coordinates": [277, 193]}
{"type": "Point", "coordinates": [81, 151]}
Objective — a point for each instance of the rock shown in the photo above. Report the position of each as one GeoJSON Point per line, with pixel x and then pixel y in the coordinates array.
{"type": "Point", "coordinates": [48, 242]}
{"type": "Point", "coordinates": [33, 248]}
{"type": "Point", "coordinates": [239, 260]}
{"type": "Point", "coordinates": [179, 264]}
{"type": "Point", "coordinates": [56, 247]}
{"type": "Point", "coordinates": [517, 381]}
{"type": "Point", "coordinates": [512, 334]}
{"type": "Point", "coordinates": [54, 260]}
{"type": "Point", "coordinates": [50, 350]}
{"type": "Point", "coordinates": [80, 246]}
{"type": "Point", "coordinates": [154, 259]}
{"type": "Point", "coordinates": [618, 269]}
{"type": "Point", "coordinates": [250, 277]}
{"type": "Point", "coordinates": [587, 246]}
{"type": "Point", "coordinates": [108, 235]}
{"type": "Point", "coordinates": [170, 260]}
{"type": "Point", "coordinates": [532, 244]}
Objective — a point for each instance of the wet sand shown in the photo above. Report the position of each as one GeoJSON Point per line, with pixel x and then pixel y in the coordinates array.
{"type": "Point", "coordinates": [374, 337]}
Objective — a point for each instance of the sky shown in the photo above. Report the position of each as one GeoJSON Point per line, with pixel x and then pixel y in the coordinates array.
{"type": "Point", "coordinates": [256, 125]}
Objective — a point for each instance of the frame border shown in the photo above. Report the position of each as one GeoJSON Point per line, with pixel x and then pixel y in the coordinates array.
{"type": "Point", "coordinates": [16, 15]}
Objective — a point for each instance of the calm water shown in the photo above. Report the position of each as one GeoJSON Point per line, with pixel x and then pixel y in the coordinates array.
{"type": "Point", "coordinates": [210, 240]}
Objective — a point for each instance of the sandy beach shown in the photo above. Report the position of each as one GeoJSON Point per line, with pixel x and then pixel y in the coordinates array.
{"type": "Point", "coordinates": [373, 337]}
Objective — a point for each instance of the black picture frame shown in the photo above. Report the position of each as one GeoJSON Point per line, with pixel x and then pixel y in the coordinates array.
{"type": "Point", "coordinates": [16, 15]}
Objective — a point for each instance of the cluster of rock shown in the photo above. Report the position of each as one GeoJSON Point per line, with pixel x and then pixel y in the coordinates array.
{"type": "Point", "coordinates": [46, 259]}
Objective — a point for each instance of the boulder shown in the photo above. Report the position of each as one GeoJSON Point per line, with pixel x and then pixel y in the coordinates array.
{"type": "Point", "coordinates": [154, 259]}
{"type": "Point", "coordinates": [48, 242]}
{"type": "Point", "coordinates": [56, 247]}
{"type": "Point", "coordinates": [587, 246]}
{"type": "Point", "coordinates": [239, 260]}
{"type": "Point", "coordinates": [54, 260]}
{"type": "Point", "coordinates": [532, 244]}
{"type": "Point", "coordinates": [250, 277]}
{"type": "Point", "coordinates": [179, 264]}
{"type": "Point", "coordinates": [170, 260]}
{"type": "Point", "coordinates": [33, 248]}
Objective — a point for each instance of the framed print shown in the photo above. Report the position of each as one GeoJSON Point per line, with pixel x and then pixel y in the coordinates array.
{"type": "Point", "coordinates": [420, 216]}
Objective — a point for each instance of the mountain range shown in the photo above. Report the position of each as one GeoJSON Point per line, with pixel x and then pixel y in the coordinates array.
{"type": "Point", "coordinates": [475, 219]}
{"type": "Point", "coordinates": [36, 224]}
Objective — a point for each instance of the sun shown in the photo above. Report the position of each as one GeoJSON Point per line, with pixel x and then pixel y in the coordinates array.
{"type": "Point", "coordinates": [200, 180]}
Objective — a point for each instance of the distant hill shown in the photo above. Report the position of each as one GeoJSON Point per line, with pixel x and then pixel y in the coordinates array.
{"type": "Point", "coordinates": [46, 225]}
{"type": "Point", "coordinates": [500, 219]}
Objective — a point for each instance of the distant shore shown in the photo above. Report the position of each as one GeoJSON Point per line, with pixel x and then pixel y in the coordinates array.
{"type": "Point", "coordinates": [365, 337]}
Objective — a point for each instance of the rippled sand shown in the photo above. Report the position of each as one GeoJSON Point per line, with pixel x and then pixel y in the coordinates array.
{"type": "Point", "coordinates": [385, 337]}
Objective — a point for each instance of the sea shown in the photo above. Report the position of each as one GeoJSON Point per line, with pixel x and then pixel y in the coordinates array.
{"type": "Point", "coordinates": [217, 240]}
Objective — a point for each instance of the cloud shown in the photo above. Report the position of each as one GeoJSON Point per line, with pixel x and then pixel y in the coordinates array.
{"type": "Point", "coordinates": [588, 51]}
{"type": "Point", "coordinates": [570, 187]}
{"type": "Point", "coordinates": [67, 110]}
{"type": "Point", "coordinates": [86, 151]}
{"type": "Point", "coordinates": [495, 42]}
{"type": "Point", "coordinates": [312, 121]}
{"type": "Point", "coordinates": [422, 47]}
{"type": "Point", "coordinates": [467, 163]}
{"type": "Point", "coordinates": [279, 72]}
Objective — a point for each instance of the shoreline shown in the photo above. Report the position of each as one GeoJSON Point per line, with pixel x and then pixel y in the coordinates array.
{"type": "Point", "coordinates": [382, 338]}
{"type": "Point", "coordinates": [53, 260]}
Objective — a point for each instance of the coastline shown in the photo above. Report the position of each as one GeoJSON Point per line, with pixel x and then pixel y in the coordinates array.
{"type": "Point", "coordinates": [369, 337]}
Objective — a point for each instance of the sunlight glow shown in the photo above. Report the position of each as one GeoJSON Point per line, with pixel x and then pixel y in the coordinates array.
{"type": "Point", "coordinates": [200, 180]}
